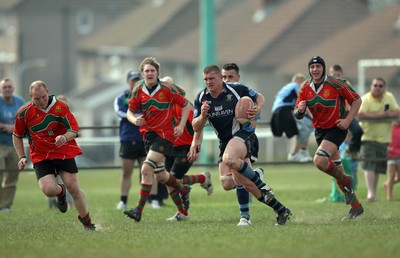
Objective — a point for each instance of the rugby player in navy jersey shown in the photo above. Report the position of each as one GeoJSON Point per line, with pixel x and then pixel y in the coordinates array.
{"type": "Point", "coordinates": [230, 73]}
{"type": "Point", "coordinates": [216, 104]}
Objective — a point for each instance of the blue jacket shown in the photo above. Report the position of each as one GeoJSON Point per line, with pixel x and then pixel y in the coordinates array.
{"type": "Point", "coordinates": [128, 132]}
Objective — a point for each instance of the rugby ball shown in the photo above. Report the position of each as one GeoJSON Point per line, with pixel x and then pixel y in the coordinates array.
{"type": "Point", "coordinates": [241, 108]}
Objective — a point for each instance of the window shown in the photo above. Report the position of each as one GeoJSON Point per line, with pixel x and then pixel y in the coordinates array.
{"type": "Point", "coordinates": [84, 21]}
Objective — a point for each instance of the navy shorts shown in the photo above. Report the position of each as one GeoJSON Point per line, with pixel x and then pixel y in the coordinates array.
{"type": "Point", "coordinates": [54, 166]}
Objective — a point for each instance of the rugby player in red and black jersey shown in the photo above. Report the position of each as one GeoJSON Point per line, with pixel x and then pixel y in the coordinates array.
{"type": "Point", "coordinates": [325, 97]}
{"type": "Point", "coordinates": [156, 101]}
{"type": "Point", "coordinates": [51, 129]}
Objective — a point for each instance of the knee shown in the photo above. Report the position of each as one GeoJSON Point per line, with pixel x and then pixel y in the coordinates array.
{"type": "Point", "coordinates": [162, 177]}
{"type": "Point", "coordinates": [127, 173]}
{"type": "Point", "coordinates": [50, 191]}
{"type": "Point", "coordinates": [74, 189]}
{"type": "Point", "coordinates": [320, 162]}
{"type": "Point", "coordinates": [228, 161]}
{"type": "Point", "coordinates": [227, 183]}
{"type": "Point", "coordinates": [147, 170]}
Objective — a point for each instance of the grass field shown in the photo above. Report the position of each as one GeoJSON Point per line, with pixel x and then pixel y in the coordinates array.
{"type": "Point", "coordinates": [315, 230]}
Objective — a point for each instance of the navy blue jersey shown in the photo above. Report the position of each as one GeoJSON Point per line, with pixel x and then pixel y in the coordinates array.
{"type": "Point", "coordinates": [221, 115]}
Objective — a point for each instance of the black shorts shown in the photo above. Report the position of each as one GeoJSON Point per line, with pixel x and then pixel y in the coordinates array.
{"type": "Point", "coordinates": [155, 143]}
{"type": "Point", "coordinates": [178, 162]}
{"type": "Point", "coordinates": [54, 166]}
{"type": "Point", "coordinates": [283, 121]}
{"type": "Point", "coordinates": [248, 139]}
{"type": "Point", "coordinates": [132, 150]}
{"type": "Point", "coordinates": [334, 135]}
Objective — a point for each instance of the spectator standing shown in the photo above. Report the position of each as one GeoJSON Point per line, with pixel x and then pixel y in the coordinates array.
{"type": "Point", "coordinates": [393, 172]}
{"type": "Point", "coordinates": [283, 120]}
{"type": "Point", "coordinates": [324, 97]}
{"type": "Point", "coordinates": [9, 174]}
{"type": "Point", "coordinates": [378, 109]}
{"type": "Point", "coordinates": [51, 129]}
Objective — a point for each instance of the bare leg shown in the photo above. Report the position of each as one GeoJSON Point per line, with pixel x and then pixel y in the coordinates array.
{"type": "Point", "coordinates": [126, 177]}
{"type": "Point", "coordinates": [71, 183]}
{"type": "Point", "coordinates": [371, 183]}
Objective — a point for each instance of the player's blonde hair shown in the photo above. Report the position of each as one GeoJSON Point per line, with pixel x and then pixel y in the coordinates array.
{"type": "Point", "coordinates": [150, 61]}
{"type": "Point", "coordinates": [298, 78]}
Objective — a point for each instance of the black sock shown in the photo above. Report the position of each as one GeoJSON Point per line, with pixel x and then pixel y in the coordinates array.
{"type": "Point", "coordinates": [124, 199]}
{"type": "Point", "coordinates": [274, 204]}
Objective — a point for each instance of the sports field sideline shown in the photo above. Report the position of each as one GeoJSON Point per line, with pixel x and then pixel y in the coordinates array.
{"type": "Point", "coordinates": [315, 230]}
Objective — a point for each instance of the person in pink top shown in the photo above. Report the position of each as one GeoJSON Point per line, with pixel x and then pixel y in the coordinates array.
{"type": "Point", "coordinates": [393, 172]}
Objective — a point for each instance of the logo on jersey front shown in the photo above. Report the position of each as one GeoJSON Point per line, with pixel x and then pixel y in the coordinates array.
{"type": "Point", "coordinates": [161, 96]}
{"type": "Point", "coordinates": [58, 109]}
{"type": "Point", "coordinates": [229, 97]}
{"type": "Point", "coordinates": [326, 93]}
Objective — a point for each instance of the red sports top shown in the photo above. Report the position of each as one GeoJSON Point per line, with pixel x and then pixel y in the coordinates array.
{"type": "Point", "coordinates": [43, 126]}
{"type": "Point", "coordinates": [327, 104]}
{"type": "Point", "coordinates": [188, 132]}
{"type": "Point", "coordinates": [157, 108]}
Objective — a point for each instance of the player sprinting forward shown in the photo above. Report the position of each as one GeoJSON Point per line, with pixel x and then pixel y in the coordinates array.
{"type": "Point", "coordinates": [51, 129]}
{"type": "Point", "coordinates": [156, 102]}
{"type": "Point", "coordinates": [325, 98]}
{"type": "Point", "coordinates": [230, 73]}
{"type": "Point", "coordinates": [216, 104]}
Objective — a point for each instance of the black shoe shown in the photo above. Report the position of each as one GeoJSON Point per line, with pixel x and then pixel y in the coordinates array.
{"type": "Point", "coordinates": [283, 217]}
{"type": "Point", "coordinates": [62, 204]}
{"type": "Point", "coordinates": [134, 214]}
{"type": "Point", "coordinates": [354, 213]}
{"type": "Point", "coordinates": [349, 191]}
{"type": "Point", "coordinates": [185, 198]}
{"type": "Point", "coordinates": [266, 187]}
{"type": "Point", "coordinates": [90, 227]}
{"type": "Point", "coordinates": [268, 195]}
